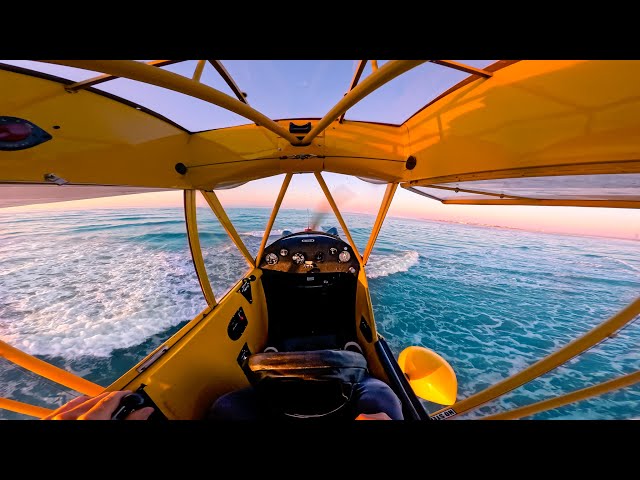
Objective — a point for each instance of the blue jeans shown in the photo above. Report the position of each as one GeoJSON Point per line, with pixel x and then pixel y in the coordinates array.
{"type": "Point", "coordinates": [369, 396]}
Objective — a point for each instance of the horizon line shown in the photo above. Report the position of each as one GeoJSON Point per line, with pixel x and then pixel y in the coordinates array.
{"type": "Point", "coordinates": [231, 207]}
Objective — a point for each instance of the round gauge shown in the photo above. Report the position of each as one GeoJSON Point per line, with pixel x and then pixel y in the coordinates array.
{"type": "Point", "coordinates": [298, 258]}
{"type": "Point", "coordinates": [271, 258]}
{"type": "Point", "coordinates": [344, 256]}
{"type": "Point", "coordinates": [333, 250]}
{"type": "Point", "coordinates": [284, 252]}
{"type": "Point", "coordinates": [319, 257]}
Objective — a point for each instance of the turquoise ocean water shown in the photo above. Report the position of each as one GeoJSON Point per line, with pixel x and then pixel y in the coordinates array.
{"type": "Point", "coordinates": [94, 291]}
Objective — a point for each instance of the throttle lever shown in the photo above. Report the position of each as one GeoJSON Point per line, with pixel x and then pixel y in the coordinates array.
{"type": "Point", "coordinates": [129, 403]}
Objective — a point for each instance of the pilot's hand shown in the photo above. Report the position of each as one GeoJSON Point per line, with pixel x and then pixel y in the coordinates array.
{"type": "Point", "coordinates": [100, 407]}
{"type": "Point", "coordinates": [373, 416]}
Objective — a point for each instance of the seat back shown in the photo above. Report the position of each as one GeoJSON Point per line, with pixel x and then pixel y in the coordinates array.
{"type": "Point", "coordinates": [307, 384]}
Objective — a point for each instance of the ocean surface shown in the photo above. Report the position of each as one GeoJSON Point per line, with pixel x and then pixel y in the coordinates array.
{"type": "Point", "coordinates": [95, 291]}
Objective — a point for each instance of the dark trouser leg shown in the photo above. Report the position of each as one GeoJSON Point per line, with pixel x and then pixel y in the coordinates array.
{"type": "Point", "coordinates": [374, 396]}
{"type": "Point", "coordinates": [237, 405]}
{"type": "Point", "coordinates": [370, 396]}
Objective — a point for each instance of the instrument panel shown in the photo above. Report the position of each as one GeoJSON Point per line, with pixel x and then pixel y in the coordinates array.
{"type": "Point", "coordinates": [310, 252]}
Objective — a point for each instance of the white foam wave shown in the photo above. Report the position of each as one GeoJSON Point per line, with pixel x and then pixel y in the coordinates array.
{"type": "Point", "coordinates": [385, 265]}
{"type": "Point", "coordinates": [260, 233]}
{"type": "Point", "coordinates": [632, 267]}
{"type": "Point", "coordinates": [90, 298]}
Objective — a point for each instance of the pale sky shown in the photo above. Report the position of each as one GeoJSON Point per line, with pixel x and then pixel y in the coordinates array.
{"type": "Point", "coordinates": [286, 89]}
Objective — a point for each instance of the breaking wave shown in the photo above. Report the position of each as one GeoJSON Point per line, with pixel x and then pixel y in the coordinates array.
{"type": "Point", "coordinates": [384, 265]}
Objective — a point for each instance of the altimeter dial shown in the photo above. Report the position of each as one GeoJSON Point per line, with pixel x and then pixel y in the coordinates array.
{"type": "Point", "coordinates": [271, 258]}
{"type": "Point", "coordinates": [298, 257]}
